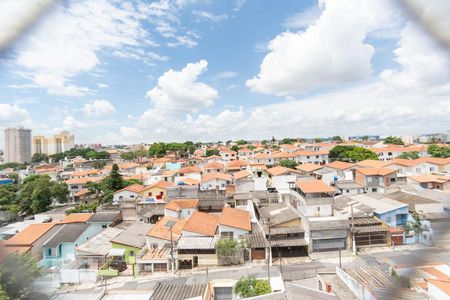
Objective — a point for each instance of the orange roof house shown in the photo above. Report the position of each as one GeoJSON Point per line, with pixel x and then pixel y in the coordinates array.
{"type": "Point", "coordinates": [202, 223]}
{"type": "Point", "coordinates": [314, 186]}
{"type": "Point", "coordinates": [220, 176]}
{"type": "Point", "coordinates": [179, 204]}
{"type": "Point", "coordinates": [237, 218]}
{"type": "Point", "coordinates": [339, 165]}
{"type": "Point", "coordinates": [308, 167]}
{"type": "Point", "coordinates": [376, 171]}
{"type": "Point", "coordinates": [242, 174]}
{"type": "Point", "coordinates": [77, 218]}
{"type": "Point", "coordinates": [162, 231]}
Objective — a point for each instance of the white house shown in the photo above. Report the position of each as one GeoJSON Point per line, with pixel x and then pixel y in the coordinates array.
{"type": "Point", "coordinates": [215, 181]}
{"type": "Point", "coordinates": [234, 223]}
{"type": "Point", "coordinates": [180, 208]}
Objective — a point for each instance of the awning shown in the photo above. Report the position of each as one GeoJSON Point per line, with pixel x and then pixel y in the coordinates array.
{"type": "Point", "coordinates": [116, 252]}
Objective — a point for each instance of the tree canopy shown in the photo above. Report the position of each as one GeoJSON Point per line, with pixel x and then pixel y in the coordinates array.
{"type": "Point", "coordinates": [38, 191]}
{"type": "Point", "coordinates": [241, 142]}
{"type": "Point", "coordinates": [288, 163]}
{"type": "Point", "coordinates": [211, 152]}
{"type": "Point", "coordinates": [86, 153]}
{"type": "Point", "coordinates": [160, 149]}
{"type": "Point", "coordinates": [289, 141]}
{"type": "Point", "coordinates": [409, 155]}
{"type": "Point", "coordinates": [13, 165]}
{"type": "Point", "coordinates": [351, 154]}
{"type": "Point", "coordinates": [337, 139]}
{"type": "Point", "coordinates": [394, 140]}
{"type": "Point", "coordinates": [439, 151]}
{"type": "Point", "coordinates": [39, 157]}
{"type": "Point", "coordinates": [235, 148]}
{"type": "Point", "coordinates": [250, 286]}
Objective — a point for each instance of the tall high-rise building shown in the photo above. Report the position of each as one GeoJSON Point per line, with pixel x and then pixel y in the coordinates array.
{"type": "Point", "coordinates": [55, 144]}
{"type": "Point", "coordinates": [17, 145]}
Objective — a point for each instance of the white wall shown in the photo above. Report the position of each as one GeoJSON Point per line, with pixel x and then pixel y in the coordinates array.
{"type": "Point", "coordinates": [211, 184]}
{"type": "Point", "coordinates": [281, 183]}
{"type": "Point", "coordinates": [437, 293]}
{"type": "Point", "coordinates": [236, 231]}
{"type": "Point", "coordinates": [125, 195]}
{"type": "Point", "coordinates": [151, 240]}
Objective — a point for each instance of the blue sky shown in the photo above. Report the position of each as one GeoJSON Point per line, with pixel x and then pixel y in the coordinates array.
{"type": "Point", "coordinates": [140, 71]}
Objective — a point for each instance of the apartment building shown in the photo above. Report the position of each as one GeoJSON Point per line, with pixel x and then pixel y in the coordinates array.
{"type": "Point", "coordinates": [17, 145]}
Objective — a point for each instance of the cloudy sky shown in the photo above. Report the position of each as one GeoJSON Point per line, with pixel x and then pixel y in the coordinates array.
{"type": "Point", "coordinates": [140, 71]}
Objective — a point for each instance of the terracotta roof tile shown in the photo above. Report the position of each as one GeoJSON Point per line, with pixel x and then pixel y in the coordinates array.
{"type": "Point", "coordinates": [314, 186]}
{"type": "Point", "coordinates": [179, 204]}
{"type": "Point", "coordinates": [161, 231]}
{"type": "Point", "coordinates": [213, 165]}
{"type": "Point", "coordinates": [236, 164]}
{"type": "Point", "coordinates": [308, 167]}
{"type": "Point", "coordinates": [234, 217]}
{"type": "Point", "coordinates": [376, 171]}
{"type": "Point", "coordinates": [339, 165]}
{"type": "Point", "coordinates": [77, 218]}
{"type": "Point", "coordinates": [202, 223]}
{"type": "Point", "coordinates": [221, 176]}
{"type": "Point", "coordinates": [241, 174]}
{"type": "Point", "coordinates": [29, 235]}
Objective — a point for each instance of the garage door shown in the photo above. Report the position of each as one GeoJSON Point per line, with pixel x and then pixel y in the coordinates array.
{"type": "Point", "coordinates": [258, 254]}
{"type": "Point", "coordinates": [328, 244]}
{"type": "Point", "coordinates": [223, 293]}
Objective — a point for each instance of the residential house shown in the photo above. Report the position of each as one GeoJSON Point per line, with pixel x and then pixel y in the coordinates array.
{"type": "Point", "coordinates": [156, 192]}
{"type": "Point", "coordinates": [130, 192]}
{"type": "Point", "coordinates": [438, 182]}
{"type": "Point", "coordinates": [228, 155]}
{"type": "Point", "coordinates": [104, 219]}
{"type": "Point", "coordinates": [234, 223]}
{"type": "Point", "coordinates": [131, 240]}
{"type": "Point", "coordinates": [326, 233]}
{"type": "Point", "coordinates": [313, 198]}
{"type": "Point", "coordinates": [282, 225]}
{"type": "Point", "coordinates": [193, 172]}
{"type": "Point", "coordinates": [180, 208]}
{"type": "Point", "coordinates": [243, 181]}
{"type": "Point", "coordinates": [215, 181]}
{"type": "Point", "coordinates": [339, 171]}
{"type": "Point", "coordinates": [245, 154]}
{"type": "Point", "coordinates": [392, 212]}
{"type": "Point", "coordinates": [288, 148]}
{"type": "Point", "coordinates": [308, 168]}
{"type": "Point", "coordinates": [236, 166]}
{"type": "Point", "coordinates": [77, 184]}
{"type": "Point", "coordinates": [376, 179]}
{"type": "Point", "coordinates": [59, 250]}
{"type": "Point", "coordinates": [390, 152]}
{"type": "Point", "coordinates": [92, 254]}
{"type": "Point", "coordinates": [32, 238]}
{"type": "Point", "coordinates": [315, 157]}
{"type": "Point", "coordinates": [181, 191]}
{"type": "Point", "coordinates": [435, 229]}
{"type": "Point", "coordinates": [213, 167]}
{"type": "Point", "coordinates": [201, 224]}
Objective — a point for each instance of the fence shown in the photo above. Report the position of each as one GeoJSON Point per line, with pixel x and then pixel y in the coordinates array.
{"type": "Point", "coordinates": [78, 276]}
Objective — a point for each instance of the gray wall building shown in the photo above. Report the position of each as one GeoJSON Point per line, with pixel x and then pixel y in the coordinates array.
{"type": "Point", "coordinates": [17, 145]}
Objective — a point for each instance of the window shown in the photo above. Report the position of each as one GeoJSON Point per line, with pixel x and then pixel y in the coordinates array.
{"type": "Point", "coordinates": [392, 179]}
{"type": "Point", "coordinates": [417, 170]}
{"type": "Point", "coordinates": [317, 156]}
{"type": "Point", "coordinates": [154, 246]}
{"type": "Point", "coordinates": [348, 191]}
{"type": "Point", "coordinates": [431, 169]}
{"type": "Point", "coordinates": [369, 179]}
{"type": "Point", "coordinates": [389, 153]}
{"type": "Point", "coordinates": [131, 253]}
{"type": "Point", "coordinates": [150, 194]}
{"type": "Point", "coordinates": [104, 226]}
{"type": "Point", "coordinates": [318, 208]}
{"type": "Point", "coordinates": [388, 219]}
{"type": "Point", "coordinates": [226, 234]}
{"type": "Point", "coordinates": [374, 189]}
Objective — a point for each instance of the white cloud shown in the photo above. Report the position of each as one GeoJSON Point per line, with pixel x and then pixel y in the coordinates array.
{"type": "Point", "coordinates": [332, 51]}
{"type": "Point", "coordinates": [303, 19]}
{"type": "Point", "coordinates": [180, 91]}
{"type": "Point", "coordinates": [238, 4]}
{"type": "Point", "coordinates": [12, 115]}
{"type": "Point", "coordinates": [102, 85]}
{"type": "Point", "coordinates": [226, 75]}
{"type": "Point", "coordinates": [70, 122]}
{"type": "Point", "coordinates": [207, 16]}
{"type": "Point", "coordinates": [98, 108]}
{"type": "Point", "coordinates": [423, 62]}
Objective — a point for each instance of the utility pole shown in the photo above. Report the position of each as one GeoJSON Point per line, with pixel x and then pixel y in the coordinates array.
{"type": "Point", "coordinates": [269, 261]}
{"type": "Point", "coordinates": [170, 225]}
{"type": "Point", "coordinates": [352, 231]}
{"type": "Point", "coordinates": [340, 263]}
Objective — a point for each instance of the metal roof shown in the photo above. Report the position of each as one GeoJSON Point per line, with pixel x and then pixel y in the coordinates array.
{"type": "Point", "coordinates": [104, 217]}
{"type": "Point", "coordinates": [99, 244]}
{"type": "Point", "coordinates": [197, 242]}
{"type": "Point", "coordinates": [68, 233]}
{"type": "Point", "coordinates": [164, 291]}
{"type": "Point", "coordinates": [134, 235]}
{"type": "Point", "coordinates": [257, 240]}
{"type": "Point", "coordinates": [289, 242]}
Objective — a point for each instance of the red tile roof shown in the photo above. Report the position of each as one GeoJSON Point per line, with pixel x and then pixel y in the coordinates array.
{"type": "Point", "coordinates": [202, 223]}
{"type": "Point", "coordinates": [314, 186]}
{"type": "Point", "coordinates": [234, 217]}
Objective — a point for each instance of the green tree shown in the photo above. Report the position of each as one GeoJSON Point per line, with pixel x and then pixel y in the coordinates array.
{"type": "Point", "coordinates": [409, 155]}
{"type": "Point", "coordinates": [211, 152]}
{"type": "Point", "coordinates": [15, 177]}
{"type": "Point", "coordinates": [129, 182]}
{"type": "Point", "coordinates": [365, 138]}
{"type": "Point", "coordinates": [157, 150]}
{"type": "Point", "coordinates": [439, 151]}
{"type": "Point", "coordinates": [250, 287]}
{"type": "Point", "coordinates": [17, 273]}
{"type": "Point", "coordinates": [264, 142]}
{"type": "Point", "coordinates": [351, 154]}
{"type": "Point", "coordinates": [288, 141]}
{"type": "Point", "coordinates": [38, 191]}
{"type": "Point", "coordinates": [288, 163]}
{"type": "Point", "coordinates": [393, 140]}
{"type": "Point", "coordinates": [129, 156]}
{"type": "Point", "coordinates": [241, 142]}
{"type": "Point", "coordinates": [226, 247]}
{"type": "Point", "coordinates": [39, 157]}
{"type": "Point", "coordinates": [318, 140]}
{"type": "Point", "coordinates": [235, 148]}
{"type": "Point", "coordinates": [337, 139]}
